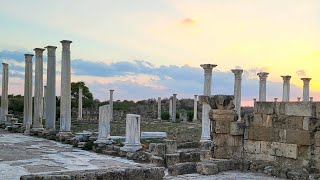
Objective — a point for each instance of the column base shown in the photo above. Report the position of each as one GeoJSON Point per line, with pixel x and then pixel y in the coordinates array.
{"type": "Point", "coordinates": [79, 118]}
{"type": "Point", "coordinates": [131, 148]}
{"type": "Point", "coordinates": [195, 120]}
{"type": "Point", "coordinates": [205, 140]}
{"type": "Point", "coordinates": [64, 135]}
{"type": "Point", "coordinates": [37, 129]}
{"type": "Point", "coordinates": [103, 141]}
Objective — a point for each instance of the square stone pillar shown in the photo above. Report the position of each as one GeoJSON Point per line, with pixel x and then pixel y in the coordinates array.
{"type": "Point", "coordinates": [65, 102]}
{"type": "Point", "coordinates": [111, 104]}
{"type": "Point", "coordinates": [263, 86]}
{"type": "Point", "coordinates": [306, 82]}
{"type": "Point", "coordinates": [80, 104]}
{"type": "Point", "coordinates": [159, 108]}
{"type": "Point", "coordinates": [104, 125]}
{"type": "Point", "coordinates": [4, 97]}
{"type": "Point", "coordinates": [132, 143]}
{"type": "Point", "coordinates": [286, 88]}
{"type": "Point", "coordinates": [237, 91]}
{"type": "Point", "coordinates": [51, 88]}
{"type": "Point", "coordinates": [195, 108]}
{"type": "Point", "coordinates": [27, 108]}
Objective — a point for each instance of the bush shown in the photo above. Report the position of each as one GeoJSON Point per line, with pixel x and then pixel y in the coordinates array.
{"type": "Point", "coordinates": [165, 116]}
{"type": "Point", "coordinates": [190, 115]}
{"type": "Point", "coordinates": [88, 145]}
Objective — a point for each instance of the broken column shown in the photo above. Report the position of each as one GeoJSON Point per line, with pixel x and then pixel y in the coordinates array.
{"type": "Point", "coordinates": [51, 88]}
{"type": "Point", "coordinates": [104, 125]}
{"type": "Point", "coordinates": [237, 91]}
{"type": "Point", "coordinates": [38, 90]}
{"type": "Point", "coordinates": [65, 102]}
{"type": "Point", "coordinates": [159, 108]}
{"type": "Point", "coordinates": [170, 107]}
{"type": "Point", "coordinates": [132, 142]}
{"type": "Point", "coordinates": [286, 88]}
{"type": "Point", "coordinates": [111, 104]}
{"type": "Point", "coordinates": [195, 108]}
{"type": "Point", "coordinates": [174, 107]}
{"type": "Point", "coordinates": [27, 108]}
{"type": "Point", "coordinates": [205, 135]}
{"type": "Point", "coordinates": [80, 104]}
{"type": "Point", "coordinates": [4, 97]}
{"type": "Point", "coordinates": [306, 82]}
{"type": "Point", "coordinates": [263, 86]}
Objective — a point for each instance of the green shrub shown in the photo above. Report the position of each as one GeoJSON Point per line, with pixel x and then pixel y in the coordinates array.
{"type": "Point", "coordinates": [88, 145]}
{"type": "Point", "coordinates": [165, 116]}
{"type": "Point", "coordinates": [190, 115]}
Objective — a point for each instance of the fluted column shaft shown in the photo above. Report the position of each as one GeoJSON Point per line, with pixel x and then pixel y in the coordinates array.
{"type": "Point", "coordinates": [306, 82]}
{"type": "Point", "coordinates": [174, 107]}
{"type": "Point", "coordinates": [159, 108]}
{"type": "Point", "coordinates": [4, 97]}
{"type": "Point", "coordinates": [263, 86]}
{"type": "Point", "coordinates": [237, 90]}
{"type": "Point", "coordinates": [286, 88]}
{"type": "Point", "coordinates": [80, 104]}
{"type": "Point", "coordinates": [195, 108]}
{"type": "Point", "coordinates": [170, 107]}
{"type": "Point", "coordinates": [27, 108]}
{"type": "Point", "coordinates": [111, 104]}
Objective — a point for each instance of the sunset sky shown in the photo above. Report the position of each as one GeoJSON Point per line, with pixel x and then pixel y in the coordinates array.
{"type": "Point", "coordinates": [145, 49]}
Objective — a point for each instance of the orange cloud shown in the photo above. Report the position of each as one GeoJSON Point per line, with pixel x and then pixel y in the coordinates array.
{"type": "Point", "coordinates": [188, 21]}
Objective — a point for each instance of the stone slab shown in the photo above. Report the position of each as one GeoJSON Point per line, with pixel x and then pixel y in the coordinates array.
{"type": "Point", "coordinates": [222, 127]}
{"type": "Point", "coordinates": [155, 135]}
{"type": "Point", "coordinates": [299, 137]}
{"type": "Point", "coordinates": [298, 109]}
{"type": "Point", "coordinates": [236, 128]}
{"type": "Point", "coordinates": [252, 147]}
{"type": "Point", "coordinates": [264, 107]}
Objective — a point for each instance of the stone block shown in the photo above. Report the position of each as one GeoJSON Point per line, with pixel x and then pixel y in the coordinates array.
{"type": "Point", "coordinates": [207, 168]}
{"type": "Point", "coordinates": [252, 147]}
{"type": "Point", "coordinates": [279, 108]}
{"type": "Point", "coordinates": [261, 133]}
{"type": "Point", "coordinates": [157, 149]}
{"type": "Point", "coordinates": [234, 141]}
{"type": "Point", "coordinates": [205, 154]}
{"type": "Point", "coordinates": [267, 120]}
{"type": "Point", "coordinates": [172, 159]}
{"type": "Point", "coordinates": [158, 161]}
{"type": "Point", "coordinates": [316, 112]}
{"type": "Point", "coordinates": [317, 157]}
{"type": "Point", "coordinates": [221, 152]}
{"type": "Point", "coordinates": [206, 145]}
{"type": "Point", "coordinates": [171, 146]}
{"type": "Point", "coordinates": [220, 139]}
{"type": "Point", "coordinates": [317, 139]}
{"type": "Point", "coordinates": [284, 150]}
{"type": "Point", "coordinates": [306, 124]}
{"type": "Point", "coordinates": [299, 137]}
{"type": "Point", "coordinates": [224, 165]}
{"type": "Point", "coordinates": [183, 168]}
{"type": "Point", "coordinates": [257, 120]}
{"type": "Point", "coordinates": [195, 156]}
{"type": "Point", "coordinates": [264, 107]}
{"type": "Point", "coordinates": [222, 127]}
{"type": "Point", "coordinates": [265, 147]}
{"type": "Point", "coordinates": [223, 115]}
{"type": "Point", "coordinates": [236, 128]}
{"type": "Point", "coordinates": [298, 109]}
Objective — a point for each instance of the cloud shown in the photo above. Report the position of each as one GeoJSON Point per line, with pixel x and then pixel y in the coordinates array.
{"type": "Point", "coordinates": [301, 73]}
{"type": "Point", "coordinates": [188, 21]}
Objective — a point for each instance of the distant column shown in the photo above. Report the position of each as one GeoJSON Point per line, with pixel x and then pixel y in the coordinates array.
{"type": "Point", "coordinates": [44, 102]}
{"type": "Point", "coordinates": [286, 88]}
{"type": "Point", "coordinates": [38, 90]}
{"type": "Point", "coordinates": [170, 107]}
{"type": "Point", "coordinates": [80, 104]}
{"type": "Point", "coordinates": [159, 108]}
{"type": "Point", "coordinates": [27, 108]}
{"type": "Point", "coordinates": [195, 108]}
{"type": "Point", "coordinates": [263, 86]}
{"type": "Point", "coordinates": [174, 107]}
{"type": "Point", "coordinates": [65, 102]}
{"type": "Point", "coordinates": [51, 88]}
{"type": "Point", "coordinates": [4, 97]}
{"type": "Point", "coordinates": [132, 142]}
{"type": "Point", "coordinates": [237, 90]}
{"type": "Point", "coordinates": [104, 125]}
{"type": "Point", "coordinates": [306, 82]}
{"type": "Point", "coordinates": [111, 104]}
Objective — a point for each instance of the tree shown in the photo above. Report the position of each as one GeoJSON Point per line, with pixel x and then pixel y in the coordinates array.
{"type": "Point", "coordinates": [87, 98]}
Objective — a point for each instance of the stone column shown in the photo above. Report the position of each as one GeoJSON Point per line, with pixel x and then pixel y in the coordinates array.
{"type": "Point", "coordinates": [132, 143]}
{"type": "Point", "coordinates": [111, 105]}
{"type": "Point", "coordinates": [306, 82]}
{"type": "Point", "coordinates": [51, 88]}
{"type": "Point", "coordinates": [44, 102]}
{"type": "Point", "coordinates": [298, 99]}
{"type": "Point", "coordinates": [263, 86]}
{"type": "Point", "coordinates": [27, 108]}
{"type": "Point", "coordinates": [205, 135]}
{"type": "Point", "coordinates": [38, 90]}
{"type": "Point", "coordinates": [170, 107]}
{"type": "Point", "coordinates": [159, 108]}
{"type": "Point", "coordinates": [104, 125]}
{"type": "Point", "coordinates": [237, 91]}
{"type": "Point", "coordinates": [195, 108]}
{"type": "Point", "coordinates": [286, 88]}
{"type": "Point", "coordinates": [65, 100]}
{"type": "Point", "coordinates": [4, 97]}
{"type": "Point", "coordinates": [311, 99]}
{"type": "Point", "coordinates": [174, 107]}
{"type": "Point", "coordinates": [80, 104]}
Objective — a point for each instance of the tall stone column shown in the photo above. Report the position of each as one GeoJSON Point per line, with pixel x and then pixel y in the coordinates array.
{"type": "Point", "coordinates": [132, 142]}
{"type": "Point", "coordinates": [286, 88]}
{"type": "Point", "coordinates": [27, 108]}
{"type": "Point", "coordinates": [51, 88]}
{"type": "Point", "coordinates": [263, 86]}
{"type": "Point", "coordinates": [80, 104]}
{"type": "Point", "coordinates": [65, 100]}
{"type": "Point", "coordinates": [38, 90]}
{"type": "Point", "coordinates": [111, 104]}
{"type": "Point", "coordinates": [237, 90]}
{"type": "Point", "coordinates": [195, 108]}
{"type": "Point", "coordinates": [170, 107]}
{"type": "Point", "coordinates": [44, 102]}
{"type": "Point", "coordinates": [159, 108]}
{"type": "Point", "coordinates": [174, 107]}
{"type": "Point", "coordinates": [104, 125]}
{"type": "Point", "coordinates": [205, 135]}
{"type": "Point", "coordinates": [4, 97]}
{"type": "Point", "coordinates": [306, 82]}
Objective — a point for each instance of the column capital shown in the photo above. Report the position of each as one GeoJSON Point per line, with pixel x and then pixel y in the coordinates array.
{"type": "Point", "coordinates": [66, 45]}
{"type": "Point", "coordinates": [111, 90]}
{"type": "Point", "coordinates": [80, 88]}
{"type": "Point", "coordinates": [306, 81]}
{"type": "Point", "coordinates": [263, 76]}
{"type": "Point", "coordinates": [237, 73]}
{"type": "Point", "coordinates": [28, 57]}
{"type": "Point", "coordinates": [208, 67]}
{"type": "Point", "coordinates": [5, 65]}
{"type": "Point", "coordinates": [195, 96]}
{"type": "Point", "coordinates": [51, 50]}
{"type": "Point", "coordinates": [159, 98]}
{"type": "Point", "coordinates": [38, 51]}
{"type": "Point", "coordinates": [286, 79]}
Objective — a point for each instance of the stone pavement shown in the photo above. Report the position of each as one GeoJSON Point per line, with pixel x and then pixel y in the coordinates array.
{"type": "Point", "coordinates": [23, 155]}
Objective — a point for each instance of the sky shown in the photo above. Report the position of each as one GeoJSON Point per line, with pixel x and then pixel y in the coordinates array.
{"type": "Point", "coordinates": [148, 49]}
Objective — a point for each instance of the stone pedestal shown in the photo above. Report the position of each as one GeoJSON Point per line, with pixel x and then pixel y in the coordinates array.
{"type": "Point", "coordinates": [65, 102]}
{"type": "Point", "coordinates": [4, 96]}
{"type": "Point", "coordinates": [159, 108]}
{"type": "Point", "coordinates": [237, 91]}
{"type": "Point", "coordinates": [132, 143]}
{"type": "Point", "coordinates": [104, 125]}
{"type": "Point", "coordinates": [286, 88]}
{"type": "Point", "coordinates": [51, 88]}
{"type": "Point", "coordinates": [306, 82]}
{"type": "Point", "coordinates": [174, 108]}
{"type": "Point", "coordinates": [263, 86]}
{"type": "Point", "coordinates": [27, 109]}
{"type": "Point", "coordinates": [195, 108]}
{"type": "Point", "coordinates": [38, 91]}
{"type": "Point", "coordinates": [80, 104]}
